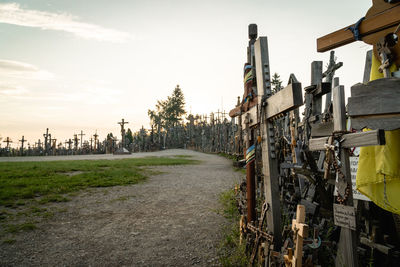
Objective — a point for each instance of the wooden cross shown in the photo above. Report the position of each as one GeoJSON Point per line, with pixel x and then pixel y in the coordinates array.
{"type": "Point", "coordinates": [269, 107]}
{"type": "Point", "coordinates": [122, 123]}
{"type": "Point", "coordinates": [23, 140]}
{"type": "Point", "coordinates": [39, 144]}
{"type": "Point", "coordinates": [348, 242]}
{"type": "Point", "coordinates": [81, 134]}
{"type": "Point", "coordinates": [300, 230]}
{"type": "Point", "coordinates": [91, 143]}
{"type": "Point", "coordinates": [8, 141]}
{"type": "Point", "coordinates": [380, 23]}
{"type": "Point", "coordinates": [328, 75]}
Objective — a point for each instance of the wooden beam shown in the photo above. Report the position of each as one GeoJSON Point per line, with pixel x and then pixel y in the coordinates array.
{"type": "Point", "coordinates": [387, 19]}
{"type": "Point", "coordinates": [269, 160]}
{"type": "Point", "coordinates": [370, 138]}
{"type": "Point", "coordinates": [284, 100]}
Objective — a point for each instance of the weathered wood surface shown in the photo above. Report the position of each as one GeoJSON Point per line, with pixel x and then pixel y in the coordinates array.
{"type": "Point", "coordinates": [367, 67]}
{"type": "Point", "coordinates": [374, 137]}
{"type": "Point", "coordinates": [270, 162]}
{"type": "Point", "coordinates": [375, 104]}
{"type": "Point", "coordinates": [321, 129]}
{"type": "Point", "coordinates": [382, 21]}
{"type": "Point", "coordinates": [347, 247]}
{"type": "Point", "coordinates": [285, 100]}
{"type": "Point", "coordinates": [250, 117]}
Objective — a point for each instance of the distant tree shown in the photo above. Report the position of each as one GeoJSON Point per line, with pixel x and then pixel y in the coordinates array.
{"type": "Point", "coordinates": [276, 83]}
{"type": "Point", "coordinates": [169, 112]}
{"type": "Point", "coordinates": [129, 136]}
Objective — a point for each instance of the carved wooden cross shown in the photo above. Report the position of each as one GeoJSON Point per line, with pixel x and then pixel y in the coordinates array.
{"type": "Point", "coordinates": [300, 230]}
{"type": "Point", "coordinates": [268, 108]}
{"type": "Point", "coordinates": [76, 140]}
{"type": "Point", "coordinates": [376, 137]}
{"type": "Point", "coordinates": [69, 142]}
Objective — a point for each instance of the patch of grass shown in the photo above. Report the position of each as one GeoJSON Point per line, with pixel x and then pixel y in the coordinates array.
{"type": "Point", "coordinates": [14, 228]}
{"type": "Point", "coordinates": [22, 181]}
{"type": "Point", "coordinates": [9, 241]}
{"type": "Point", "coordinates": [183, 156]}
{"type": "Point", "coordinates": [230, 251]}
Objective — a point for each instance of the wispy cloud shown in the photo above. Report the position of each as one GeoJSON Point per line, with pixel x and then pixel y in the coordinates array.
{"type": "Point", "coordinates": [12, 90]}
{"type": "Point", "coordinates": [21, 70]}
{"type": "Point", "coordinates": [12, 13]}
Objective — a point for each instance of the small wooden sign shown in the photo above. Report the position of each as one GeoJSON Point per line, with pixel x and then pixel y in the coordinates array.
{"type": "Point", "coordinates": [345, 216]}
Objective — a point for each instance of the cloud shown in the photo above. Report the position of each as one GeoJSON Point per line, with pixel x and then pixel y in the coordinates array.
{"type": "Point", "coordinates": [12, 90]}
{"type": "Point", "coordinates": [12, 13]}
{"type": "Point", "coordinates": [21, 70]}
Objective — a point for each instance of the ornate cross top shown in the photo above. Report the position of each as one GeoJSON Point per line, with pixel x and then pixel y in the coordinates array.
{"type": "Point", "coordinates": [23, 140]}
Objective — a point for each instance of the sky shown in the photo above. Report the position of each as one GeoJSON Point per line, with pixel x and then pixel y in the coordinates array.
{"type": "Point", "coordinates": [72, 65]}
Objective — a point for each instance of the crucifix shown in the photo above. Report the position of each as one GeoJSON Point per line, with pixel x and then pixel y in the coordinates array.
{"type": "Point", "coordinates": [122, 123]}
{"type": "Point", "coordinates": [23, 140]}
{"type": "Point", "coordinates": [341, 141]}
{"type": "Point", "coordinates": [81, 134]}
{"type": "Point", "coordinates": [8, 141]}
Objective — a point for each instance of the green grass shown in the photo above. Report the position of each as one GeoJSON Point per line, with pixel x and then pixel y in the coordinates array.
{"type": "Point", "coordinates": [230, 251]}
{"type": "Point", "coordinates": [48, 181]}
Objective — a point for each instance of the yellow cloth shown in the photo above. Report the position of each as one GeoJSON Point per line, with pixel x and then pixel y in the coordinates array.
{"type": "Point", "coordinates": [378, 174]}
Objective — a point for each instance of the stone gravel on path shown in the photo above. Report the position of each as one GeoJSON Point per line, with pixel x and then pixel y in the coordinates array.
{"type": "Point", "coordinates": [169, 220]}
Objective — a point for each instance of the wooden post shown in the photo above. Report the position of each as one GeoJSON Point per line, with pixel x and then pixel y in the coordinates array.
{"type": "Point", "coordinates": [301, 231]}
{"type": "Point", "coordinates": [250, 174]}
{"type": "Point", "coordinates": [270, 162]}
{"type": "Point", "coordinates": [347, 248]}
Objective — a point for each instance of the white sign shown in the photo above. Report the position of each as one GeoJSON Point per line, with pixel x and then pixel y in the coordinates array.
{"type": "Point", "coordinates": [344, 216]}
{"type": "Point", "coordinates": [353, 172]}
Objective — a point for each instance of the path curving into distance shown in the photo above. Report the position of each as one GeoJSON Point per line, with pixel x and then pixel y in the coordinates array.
{"type": "Point", "coordinates": [169, 220]}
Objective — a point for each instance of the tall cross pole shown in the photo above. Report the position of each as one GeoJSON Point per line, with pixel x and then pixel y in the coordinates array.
{"type": "Point", "coordinates": [81, 134]}
{"type": "Point", "coordinates": [23, 140]}
{"type": "Point", "coordinates": [122, 123]}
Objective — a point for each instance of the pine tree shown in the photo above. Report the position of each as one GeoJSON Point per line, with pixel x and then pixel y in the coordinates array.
{"type": "Point", "coordinates": [276, 83]}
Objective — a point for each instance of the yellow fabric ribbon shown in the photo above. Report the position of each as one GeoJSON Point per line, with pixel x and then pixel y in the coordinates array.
{"type": "Point", "coordinates": [378, 174]}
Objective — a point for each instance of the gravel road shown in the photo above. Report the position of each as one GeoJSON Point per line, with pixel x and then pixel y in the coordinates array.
{"type": "Point", "coordinates": [169, 220]}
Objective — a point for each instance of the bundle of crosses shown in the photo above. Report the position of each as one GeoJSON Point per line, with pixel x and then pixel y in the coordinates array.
{"type": "Point", "coordinates": [322, 187]}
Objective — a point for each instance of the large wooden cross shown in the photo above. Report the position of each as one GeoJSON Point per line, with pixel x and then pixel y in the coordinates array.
{"type": "Point", "coordinates": [347, 245]}
{"type": "Point", "coordinates": [122, 123]}
{"type": "Point", "coordinates": [269, 107]}
{"type": "Point", "coordinates": [379, 27]}
{"type": "Point", "coordinates": [23, 140]}
{"type": "Point", "coordinates": [8, 141]}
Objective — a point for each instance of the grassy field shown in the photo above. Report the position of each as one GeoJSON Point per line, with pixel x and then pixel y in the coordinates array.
{"type": "Point", "coordinates": [47, 181]}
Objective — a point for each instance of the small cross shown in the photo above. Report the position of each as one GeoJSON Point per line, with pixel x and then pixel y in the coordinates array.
{"type": "Point", "coordinates": [81, 134]}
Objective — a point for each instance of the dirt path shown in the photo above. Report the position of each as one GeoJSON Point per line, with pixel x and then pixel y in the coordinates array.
{"type": "Point", "coordinates": [169, 220]}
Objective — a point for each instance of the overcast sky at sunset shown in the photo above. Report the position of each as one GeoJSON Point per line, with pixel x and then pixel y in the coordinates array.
{"type": "Point", "coordinates": [73, 65]}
